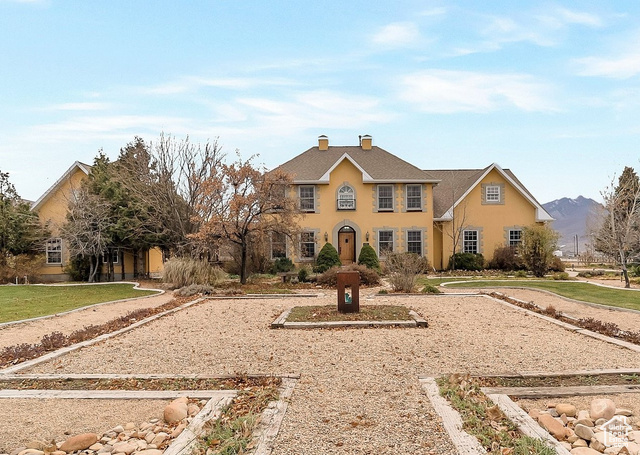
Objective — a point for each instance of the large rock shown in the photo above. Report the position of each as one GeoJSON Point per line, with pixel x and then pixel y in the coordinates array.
{"type": "Point", "coordinates": [176, 410]}
{"type": "Point", "coordinates": [554, 427]}
{"type": "Point", "coordinates": [125, 447]}
{"type": "Point", "coordinates": [566, 408]}
{"type": "Point", "coordinates": [583, 431]}
{"type": "Point", "coordinates": [602, 408]}
{"type": "Point", "coordinates": [79, 442]}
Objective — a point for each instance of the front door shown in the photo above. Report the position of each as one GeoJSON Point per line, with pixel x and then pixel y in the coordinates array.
{"type": "Point", "coordinates": [347, 245]}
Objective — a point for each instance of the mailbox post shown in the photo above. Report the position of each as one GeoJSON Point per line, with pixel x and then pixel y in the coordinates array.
{"type": "Point", "coordinates": [350, 280]}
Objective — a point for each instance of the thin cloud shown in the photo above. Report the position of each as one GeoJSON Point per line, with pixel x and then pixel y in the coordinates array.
{"type": "Point", "coordinates": [191, 84]}
{"type": "Point", "coordinates": [447, 92]}
{"type": "Point", "coordinates": [81, 106]}
{"type": "Point", "coordinates": [621, 67]}
{"type": "Point", "coordinates": [397, 34]}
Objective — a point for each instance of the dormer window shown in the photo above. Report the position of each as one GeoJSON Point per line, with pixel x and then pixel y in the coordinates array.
{"type": "Point", "coordinates": [346, 198]}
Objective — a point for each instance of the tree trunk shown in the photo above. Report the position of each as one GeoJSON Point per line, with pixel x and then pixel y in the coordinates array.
{"type": "Point", "coordinates": [625, 272]}
{"type": "Point", "coordinates": [92, 269]}
{"type": "Point", "coordinates": [122, 271]}
{"type": "Point", "coordinates": [136, 272]}
{"type": "Point", "coordinates": [111, 270]}
{"type": "Point", "coordinates": [243, 264]}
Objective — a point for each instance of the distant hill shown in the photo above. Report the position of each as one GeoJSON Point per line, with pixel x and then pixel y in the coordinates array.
{"type": "Point", "coordinates": [571, 219]}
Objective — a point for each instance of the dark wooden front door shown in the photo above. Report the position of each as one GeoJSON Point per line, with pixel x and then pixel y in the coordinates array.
{"type": "Point", "coordinates": [347, 247]}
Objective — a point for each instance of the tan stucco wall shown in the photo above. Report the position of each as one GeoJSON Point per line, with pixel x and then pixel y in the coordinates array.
{"type": "Point", "coordinates": [492, 220]}
{"type": "Point", "coordinates": [365, 218]}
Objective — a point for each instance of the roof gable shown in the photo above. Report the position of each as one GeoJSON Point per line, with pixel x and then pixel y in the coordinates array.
{"type": "Point", "coordinates": [69, 172]}
{"type": "Point", "coordinates": [457, 184]}
{"type": "Point", "coordinates": [377, 166]}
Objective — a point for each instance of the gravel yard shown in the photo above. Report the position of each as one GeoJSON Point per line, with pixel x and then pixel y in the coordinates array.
{"type": "Point", "coordinates": [358, 392]}
{"type": "Point", "coordinates": [32, 332]}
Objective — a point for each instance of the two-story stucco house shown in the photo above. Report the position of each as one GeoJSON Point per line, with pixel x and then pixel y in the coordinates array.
{"type": "Point", "coordinates": [352, 195]}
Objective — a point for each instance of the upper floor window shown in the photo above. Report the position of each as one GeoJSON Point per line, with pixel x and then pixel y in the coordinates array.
{"type": "Point", "coordinates": [115, 256]}
{"type": "Point", "coordinates": [414, 197]}
{"type": "Point", "coordinates": [492, 193]}
{"type": "Point", "coordinates": [470, 242]}
{"type": "Point", "coordinates": [346, 198]}
{"type": "Point", "coordinates": [307, 198]}
{"type": "Point", "coordinates": [515, 237]}
{"type": "Point", "coordinates": [54, 251]}
{"type": "Point", "coordinates": [385, 198]}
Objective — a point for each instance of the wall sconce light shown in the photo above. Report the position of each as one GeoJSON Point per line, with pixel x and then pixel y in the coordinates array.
{"type": "Point", "coordinates": [326, 237]}
{"type": "Point", "coordinates": [366, 236]}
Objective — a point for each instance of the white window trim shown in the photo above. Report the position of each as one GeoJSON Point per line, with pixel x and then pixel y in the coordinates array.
{"type": "Point", "coordinates": [315, 246]}
{"type": "Point", "coordinates": [476, 241]}
{"type": "Point", "coordinates": [509, 237]}
{"type": "Point", "coordinates": [286, 253]}
{"type": "Point", "coordinates": [306, 198]}
{"type": "Point", "coordinates": [58, 249]}
{"type": "Point", "coordinates": [496, 196]}
{"type": "Point", "coordinates": [393, 241]}
{"type": "Point", "coordinates": [393, 202]}
{"type": "Point", "coordinates": [105, 259]}
{"type": "Point", "coordinates": [421, 234]}
{"type": "Point", "coordinates": [406, 192]}
{"type": "Point", "coordinates": [352, 200]}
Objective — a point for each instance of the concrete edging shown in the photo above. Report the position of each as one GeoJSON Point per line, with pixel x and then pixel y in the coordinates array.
{"type": "Point", "coordinates": [106, 336]}
{"type": "Point", "coordinates": [281, 323]}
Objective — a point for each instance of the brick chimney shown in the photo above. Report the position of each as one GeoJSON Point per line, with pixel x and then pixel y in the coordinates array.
{"type": "Point", "coordinates": [323, 142]}
{"type": "Point", "coordinates": [365, 142]}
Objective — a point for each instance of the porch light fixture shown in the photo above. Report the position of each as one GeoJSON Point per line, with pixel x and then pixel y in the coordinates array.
{"type": "Point", "coordinates": [366, 236]}
{"type": "Point", "coordinates": [326, 236]}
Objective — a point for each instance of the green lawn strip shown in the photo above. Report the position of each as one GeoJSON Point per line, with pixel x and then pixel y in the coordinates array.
{"type": "Point", "coordinates": [25, 302]}
{"type": "Point", "coordinates": [586, 292]}
{"type": "Point", "coordinates": [484, 420]}
{"type": "Point", "coordinates": [367, 313]}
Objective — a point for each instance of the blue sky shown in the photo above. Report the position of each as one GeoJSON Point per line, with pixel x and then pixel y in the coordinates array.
{"type": "Point", "coordinates": [550, 90]}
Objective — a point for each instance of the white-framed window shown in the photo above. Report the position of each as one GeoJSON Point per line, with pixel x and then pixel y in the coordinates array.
{"type": "Point", "coordinates": [470, 242]}
{"type": "Point", "coordinates": [115, 256]}
{"type": "Point", "coordinates": [414, 197]}
{"type": "Point", "coordinates": [515, 237]}
{"type": "Point", "coordinates": [492, 193]}
{"type": "Point", "coordinates": [385, 242]}
{"type": "Point", "coordinates": [307, 198]}
{"type": "Point", "coordinates": [278, 245]}
{"type": "Point", "coordinates": [307, 245]}
{"type": "Point", "coordinates": [385, 198]}
{"type": "Point", "coordinates": [414, 242]}
{"type": "Point", "coordinates": [346, 198]}
{"type": "Point", "coordinates": [54, 251]}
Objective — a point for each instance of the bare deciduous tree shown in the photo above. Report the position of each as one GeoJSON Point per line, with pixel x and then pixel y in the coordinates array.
{"type": "Point", "coordinates": [619, 235]}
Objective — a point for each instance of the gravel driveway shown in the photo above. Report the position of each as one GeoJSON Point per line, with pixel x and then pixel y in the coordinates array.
{"type": "Point", "coordinates": [359, 390]}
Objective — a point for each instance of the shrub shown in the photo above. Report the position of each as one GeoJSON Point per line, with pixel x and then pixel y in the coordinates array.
{"type": "Point", "coordinates": [403, 269]}
{"type": "Point", "coordinates": [282, 265]}
{"type": "Point", "coordinates": [521, 274]}
{"type": "Point", "coordinates": [556, 265]}
{"type": "Point", "coordinates": [182, 272]}
{"type": "Point", "coordinates": [634, 271]}
{"type": "Point", "coordinates": [505, 258]}
{"type": "Point", "coordinates": [466, 261]}
{"type": "Point", "coordinates": [368, 257]}
{"type": "Point", "coordinates": [21, 265]}
{"type": "Point", "coordinates": [78, 269]}
{"type": "Point", "coordinates": [303, 275]}
{"type": "Point", "coordinates": [560, 276]}
{"type": "Point", "coordinates": [368, 277]}
{"type": "Point", "coordinates": [536, 248]}
{"type": "Point", "coordinates": [431, 289]}
{"type": "Point", "coordinates": [193, 289]}
{"type": "Point", "coordinates": [327, 257]}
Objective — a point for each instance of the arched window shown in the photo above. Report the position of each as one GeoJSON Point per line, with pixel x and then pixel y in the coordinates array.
{"type": "Point", "coordinates": [346, 198]}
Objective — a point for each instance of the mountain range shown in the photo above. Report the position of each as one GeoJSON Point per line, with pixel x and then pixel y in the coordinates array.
{"type": "Point", "coordinates": [571, 217]}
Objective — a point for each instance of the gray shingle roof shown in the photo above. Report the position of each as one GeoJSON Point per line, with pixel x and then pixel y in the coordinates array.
{"type": "Point", "coordinates": [380, 165]}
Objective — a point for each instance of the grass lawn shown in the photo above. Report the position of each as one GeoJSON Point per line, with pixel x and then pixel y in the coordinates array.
{"type": "Point", "coordinates": [24, 302]}
{"type": "Point", "coordinates": [367, 313]}
{"type": "Point", "coordinates": [586, 292]}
